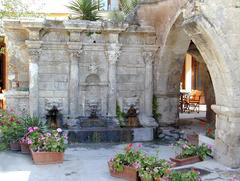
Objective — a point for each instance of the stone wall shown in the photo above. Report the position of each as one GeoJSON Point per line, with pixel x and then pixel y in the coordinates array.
{"type": "Point", "coordinates": [79, 64]}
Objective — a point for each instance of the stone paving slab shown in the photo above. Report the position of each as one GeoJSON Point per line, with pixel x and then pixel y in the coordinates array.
{"type": "Point", "coordinates": [88, 162]}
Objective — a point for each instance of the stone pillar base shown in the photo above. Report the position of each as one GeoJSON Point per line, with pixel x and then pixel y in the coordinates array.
{"type": "Point", "coordinates": [227, 135]}
{"type": "Point", "coordinates": [147, 121]}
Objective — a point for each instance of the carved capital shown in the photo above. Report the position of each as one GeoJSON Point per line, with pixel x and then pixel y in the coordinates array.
{"type": "Point", "coordinates": [113, 53]}
{"type": "Point", "coordinates": [34, 55]}
{"type": "Point", "coordinates": [113, 56]}
{"type": "Point", "coordinates": [148, 57]}
{"type": "Point", "coordinates": [76, 53]}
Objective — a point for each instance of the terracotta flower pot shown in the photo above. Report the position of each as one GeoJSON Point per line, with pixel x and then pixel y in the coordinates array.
{"type": "Point", "coordinates": [25, 148]}
{"type": "Point", "coordinates": [128, 173]}
{"type": "Point", "coordinates": [15, 146]}
{"type": "Point", "coordinates": [43, 158]}
{"type": "Point", "coordinates": [160, 179]}
{"type": "Point", "coordinates": [186, 161]}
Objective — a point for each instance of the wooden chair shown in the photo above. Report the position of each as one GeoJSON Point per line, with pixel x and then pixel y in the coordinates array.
{"type": "Point", "coordinates": [194, 100]}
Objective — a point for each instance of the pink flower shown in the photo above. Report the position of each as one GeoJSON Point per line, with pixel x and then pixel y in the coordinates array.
{"type": "Point", "coordinates": [140, 145]}
{"type": "Point", "coordinates": [30, 130]}
{"type": "Point", "coordinates": [234, 178]}
{"type": "Point", "coordinates": [65, 136]}
{"type": "Point", "coordinates": [59, 130]}
{"type": "Point", "coordinates": [29, 142]}
{"type": "Point", "coordinates": [35, 128]}
{"type": "Point", "coordinates": [185, 146]}
{"type": "Point", "coordinates": [136, 165]}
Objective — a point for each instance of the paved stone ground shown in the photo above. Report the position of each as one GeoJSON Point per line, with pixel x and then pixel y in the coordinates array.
{"type": "Point", "coordinates": [88, 162]}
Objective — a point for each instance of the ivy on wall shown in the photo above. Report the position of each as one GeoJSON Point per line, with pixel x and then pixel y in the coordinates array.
{"type": "Point", "coordinates": [156, 114]}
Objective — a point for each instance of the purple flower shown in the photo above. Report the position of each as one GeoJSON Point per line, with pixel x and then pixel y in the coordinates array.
{"type": "Point", "coordinates": [198, 178]}
{"type": "Point", "coordinates": [59, 130]}
{"type": "Point", "coordinates": [209, 147]}
{"type": "Point", "coordinates": [48, 134]}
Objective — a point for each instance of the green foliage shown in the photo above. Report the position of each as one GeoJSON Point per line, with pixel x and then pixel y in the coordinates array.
{"type": "Point", "coordinates": [15, 8]}
{"type": "Point", "coordinates": [2, 50]}
{"type": "Point", "coordinates": [131, 157]}
{"type": "Point", "coordinates": [128, 5]}
{"type": "Point", "coordinates": [11, 127]}
{"type": "Point", "coordinates": [183, 176]}
{"type": "Point", "coordinates": [116, 16]}
{"type": "Point", "coordinates": [120, 115]}
{"type": "Point", "coordinates": [50, 142]}
{"type": "Point", "coordinates": [189, 150]}
{"type": "Point", "coordinates": [85, 9]}
{"type": "Point", "coordinates": [156, 114]}
{"type": "Point", "coordinates": [153, 169]}
{"type": "Point", "coordinates": [29, 121]}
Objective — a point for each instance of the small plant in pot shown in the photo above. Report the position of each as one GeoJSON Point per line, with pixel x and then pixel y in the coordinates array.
{"type": "Point", "coordinates": [192, 175]}
{"type": "Point", "coordinates": [191, 153]}
{"type": "Point", "coordinates": [126, 165]}
{"type": "Point", "coordinates": [26, 141]}
{"type": "Point", "coordinates": [48, 147]}
{"type": "Point", "coordinates": [12, 129]}
{"type": "Point", "coordinates": [153, 169]}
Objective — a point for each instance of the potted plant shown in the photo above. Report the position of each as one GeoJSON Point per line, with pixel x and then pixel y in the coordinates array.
{"type": "Point", "coordinates": [12, 129]}
{"type": "Point", "coordinates": [153, 170]}
{"type": "Point", "coordinates": [191, 153]}
{"type": "Point", "coordinates": [47, 148]}
{"type": "Point", "coordinates": [125, 165]}
{"type": "Point", "coordinates": [31, 124]}
{"type": "Point", "coordinates": [192, 175]}
{"type": "Point", "coordinates": [26, 141]}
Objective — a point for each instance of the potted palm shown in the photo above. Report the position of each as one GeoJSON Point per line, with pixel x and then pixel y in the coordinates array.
{"type": "Point", "coordinates": [48, 147]}
{"type": "Point", "coordinates": [125, 165]}
{"type": "Point", "coordinates": [191, 153]}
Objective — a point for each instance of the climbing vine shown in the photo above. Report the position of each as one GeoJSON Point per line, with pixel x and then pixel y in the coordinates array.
{"type": "Point", "coordinates": [120, 114]}
{"type": "Point", "coordinates": [156, 114]}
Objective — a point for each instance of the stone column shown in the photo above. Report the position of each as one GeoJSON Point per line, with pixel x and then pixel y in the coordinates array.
{"type": "Point", "coordinates": [227, 135]}
{"type": "Point", "coordinates": [74, 82]}
{"type": "Point", "coordinates": [148, 85]}
{"type": "Point", "coordinates": [33, 82]}
{"type": "Point", "coordinates": [113, 55]}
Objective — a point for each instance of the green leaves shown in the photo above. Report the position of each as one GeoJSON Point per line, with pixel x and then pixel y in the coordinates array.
{"type": "Point", "coordinates": [85, 9]}
{"type": "Point", "coordinates": [189, 150]}
{"type": "Point", "coordinates": [183, 176]}
{"type": "Point", "coordinates": [128, 5]}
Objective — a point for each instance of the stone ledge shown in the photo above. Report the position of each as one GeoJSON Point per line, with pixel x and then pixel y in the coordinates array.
{"type": "Point", "coordinates": [14, 93]}
{"type": "Point", "coordinates": [224, 110]}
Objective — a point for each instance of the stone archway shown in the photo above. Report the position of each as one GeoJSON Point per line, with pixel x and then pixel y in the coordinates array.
{"type": "Point", "coordinates": [218, 61]}
{"type": "Point", "coordinates": [206, 31]}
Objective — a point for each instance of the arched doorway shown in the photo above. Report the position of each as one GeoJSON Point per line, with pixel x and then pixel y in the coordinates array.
{"type": "Point", "coordinates": [218, 59]}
